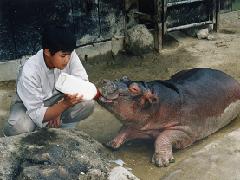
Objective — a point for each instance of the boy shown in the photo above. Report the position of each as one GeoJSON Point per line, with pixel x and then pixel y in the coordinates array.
{"type": "Point", "coordinates": [38, 103]}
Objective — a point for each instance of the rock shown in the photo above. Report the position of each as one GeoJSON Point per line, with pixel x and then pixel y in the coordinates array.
{"type": "Point", "coordinates": [131, 21]}
{"type": "Point", "coordinates": [203, 34]}
{"type": "Point", "coordinates": [95, 174]}
{"type": "Point", "coordinates": [45, 156]}
{"type": "Point", "coordinates": [56, 154]}
{"type": "Point", "coordinates": [118, 162]}
{"type": "Point", "coordinates": [121, 173]}
{"type": "Point", "coordinates": [211, 37]}
{"type": "Point", "coordinates": [139, 40]}
{"type": "Point", "coordinates": [221, 44]}
{"type": "Point", "coordinates": [53, 154]}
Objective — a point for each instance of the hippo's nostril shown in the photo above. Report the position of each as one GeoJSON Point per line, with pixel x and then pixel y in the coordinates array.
{"type": "Point", "coordinates": [112, 87]}
{"type": "Point", "coordinates": [125, 78]}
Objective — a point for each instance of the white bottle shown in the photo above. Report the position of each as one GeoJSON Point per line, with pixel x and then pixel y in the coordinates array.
{"type": "Point", "coordinates": [69, 84]}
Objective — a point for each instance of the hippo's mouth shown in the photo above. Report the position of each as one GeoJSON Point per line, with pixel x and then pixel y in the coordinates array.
{"type": "Point", "coordinates": [105, 100]}
{"type": "Point", "coordinates": [108, 97]}
{"type": "Point", "coordinates": [109, 91]}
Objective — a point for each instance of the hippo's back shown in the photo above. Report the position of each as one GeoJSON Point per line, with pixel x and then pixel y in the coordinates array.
{"type": "Point", "coordinates": [210, 99]}
{"type": "Point", "coordinates": [200, 75]}
{"type": "Point", "coordinates": [206, 82]}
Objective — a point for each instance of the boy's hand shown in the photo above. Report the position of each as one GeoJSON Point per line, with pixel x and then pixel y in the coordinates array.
{"type": "Point", "coordinates": [55, 123]}
{"type": "Point", "coordinates": [71, 100]}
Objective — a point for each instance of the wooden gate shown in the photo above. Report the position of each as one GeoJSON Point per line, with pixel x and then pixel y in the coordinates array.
{"type": "Point", "coordinates": [181, 14]}
{"type": "Point", "coordinates": [225, 5]}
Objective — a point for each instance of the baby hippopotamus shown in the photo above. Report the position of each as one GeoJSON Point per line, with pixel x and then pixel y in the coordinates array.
{"type": "Point", "coordinates": [175, 113]}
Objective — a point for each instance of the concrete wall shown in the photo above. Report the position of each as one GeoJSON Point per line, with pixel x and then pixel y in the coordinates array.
{"type": "Point", "coordinates": [9, 69]}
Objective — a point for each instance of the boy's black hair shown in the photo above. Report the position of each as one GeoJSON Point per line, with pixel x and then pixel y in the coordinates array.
{"type": "Point", "coordinates": [57, 38]}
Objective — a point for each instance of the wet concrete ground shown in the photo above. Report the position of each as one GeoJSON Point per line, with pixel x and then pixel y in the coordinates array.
{"type": "Point", "coordinates": [195, 162]}
{"type": "Point", "coordinates": [215, 157]}
{"type": "Point", "coordinates": [137, 154]}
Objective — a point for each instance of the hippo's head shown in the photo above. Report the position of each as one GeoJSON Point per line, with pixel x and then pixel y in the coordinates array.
{"type": "Point", "coordinates": [130, 101]}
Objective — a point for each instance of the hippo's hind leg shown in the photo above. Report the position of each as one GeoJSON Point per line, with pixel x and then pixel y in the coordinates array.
{"type": "Point", "coordinates": [165, 142]}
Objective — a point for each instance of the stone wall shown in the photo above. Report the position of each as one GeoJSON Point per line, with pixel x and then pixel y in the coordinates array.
{"type": "Point", "coordinates": [21, 22]}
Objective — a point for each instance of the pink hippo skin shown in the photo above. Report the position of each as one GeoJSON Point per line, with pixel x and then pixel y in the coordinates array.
{"type": "Point", "coordinates": [175, 113]}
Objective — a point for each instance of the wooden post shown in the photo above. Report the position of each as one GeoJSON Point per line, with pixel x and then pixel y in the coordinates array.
{"type": "Point", "coordinates": [158, 25]}
{"type": "Point", "coordinates": [216, 15]}
{"type": "Point", "coordinates": [160, 36]}
{"type": "Point", "coordinates": [164, 14]}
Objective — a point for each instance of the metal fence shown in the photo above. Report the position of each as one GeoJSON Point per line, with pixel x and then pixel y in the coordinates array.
{"type": "Point", "coordinates": [229, 5]}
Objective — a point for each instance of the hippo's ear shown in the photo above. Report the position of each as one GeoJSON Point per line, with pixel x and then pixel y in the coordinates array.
{"type": "Point", "coordinates": [148, 98]}
{"type": "Point", "coordinates": [134, 88]}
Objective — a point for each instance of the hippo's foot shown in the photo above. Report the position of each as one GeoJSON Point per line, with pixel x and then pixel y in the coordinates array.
{"type": "Point", "coordinates": [112, 145]}
{"type": "Point", "coordinates": [119, 139]}
{"type": "Point", "coordinates": [162, 159]}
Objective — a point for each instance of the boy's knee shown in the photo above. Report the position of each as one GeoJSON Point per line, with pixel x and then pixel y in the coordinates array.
{"type": "Point", "coordinates": [89, 106]}
{"type": "Point", "coordinates": [78, 112]}
{"type": "Point", "coordinates": [9, 130]}
{"type": "Point", "coordinates": [83, 110]}
{"type": "Point", "coordinates": [87, 109]}
{"type": "Point", "coordinates": [18, 128]}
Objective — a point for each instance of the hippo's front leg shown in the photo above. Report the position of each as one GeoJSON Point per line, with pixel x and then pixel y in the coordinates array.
{"type": "Point", "coordinates": [119, 139]}
{"type": "Point", "coordinates": [164, 144]}
{"type": "Point", "coordinates": [125, 134]}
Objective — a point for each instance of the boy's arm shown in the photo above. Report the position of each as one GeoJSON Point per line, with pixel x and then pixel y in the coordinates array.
{"type": "Point", "coordinates": [53, 112]}
{"type": "Point", "coordinates": [30, 92]}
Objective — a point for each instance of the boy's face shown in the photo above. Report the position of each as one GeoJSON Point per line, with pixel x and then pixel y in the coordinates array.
{"type": "Point", "coordinates": [59, 60]}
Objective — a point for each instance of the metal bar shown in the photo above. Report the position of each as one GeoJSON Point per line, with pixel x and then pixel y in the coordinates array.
{"type": "Point", "coordinates": [182, 2]}
{"type": "Point", "coordinates": [144, 16]}
{"type": "Point", "coordinates": [213, 13]}
{"type": "Point", "coordinates": [211, 10]}
{"type": "Point", "coordinates": [189, 26]}
{"type": "Point", "coordinates": [157, 18]}
{"type": "Point", "coordinates": [94, 42]}
{"type": "Point", "coordinates": [164, 9]}
{"type": "Point", "coordinates": [163, 26]}
{"type": "Point", "coordinates": [160, 37]}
